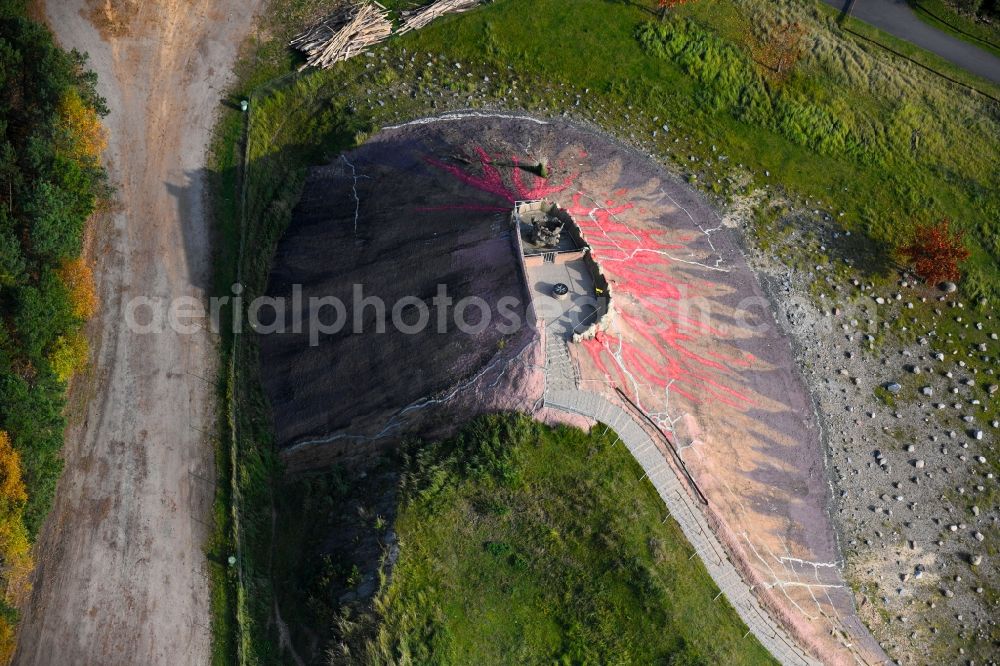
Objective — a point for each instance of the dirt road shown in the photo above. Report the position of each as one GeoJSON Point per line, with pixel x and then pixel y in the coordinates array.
{"type": "Point", "coordinates": [121, 575]}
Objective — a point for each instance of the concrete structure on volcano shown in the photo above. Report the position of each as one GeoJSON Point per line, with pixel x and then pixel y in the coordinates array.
{"type": "Point", "coordinates": [569, 293]}
{"type": "Point", "coordinates": [546, 229]}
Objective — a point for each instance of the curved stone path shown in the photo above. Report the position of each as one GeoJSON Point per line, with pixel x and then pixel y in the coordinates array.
{"type": "Point", "coordinates": [561, 393]}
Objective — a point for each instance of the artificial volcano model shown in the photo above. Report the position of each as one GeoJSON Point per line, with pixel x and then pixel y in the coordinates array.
{"type": "Point", "coordinates": [689, 340]}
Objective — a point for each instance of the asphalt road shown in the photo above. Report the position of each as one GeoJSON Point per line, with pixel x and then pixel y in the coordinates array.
{"type": "Point", "coordinates": [897, 18]}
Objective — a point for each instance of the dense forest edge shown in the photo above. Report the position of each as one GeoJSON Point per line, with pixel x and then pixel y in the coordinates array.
{"type": "Point", "coordinates": [51, 182]}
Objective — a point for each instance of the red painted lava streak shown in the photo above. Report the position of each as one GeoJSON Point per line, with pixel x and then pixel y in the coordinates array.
{"type": "Point", "coordinates": [638, 266]}
{"type": "Point", "coordinates": [491, 180]}
{"type": "Point", "coordinates": [636, 263]}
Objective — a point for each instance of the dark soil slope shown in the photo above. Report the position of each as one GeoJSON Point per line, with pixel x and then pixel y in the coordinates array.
{"type": "Point", "coordinates": [389, 220]}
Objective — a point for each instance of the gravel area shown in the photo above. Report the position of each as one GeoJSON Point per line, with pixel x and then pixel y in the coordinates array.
{"type": "Point", "coordinates": [910, 451]}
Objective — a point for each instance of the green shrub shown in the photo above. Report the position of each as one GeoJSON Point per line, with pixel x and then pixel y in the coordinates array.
{"type": "Point", "coordinates": [44, 311]}
{"type": "Point", "coordinates": [56, 229]}
{"type": "Point", "coordinates": [32, 412]}
{"type": "Point", "coordinates": [730, 82]}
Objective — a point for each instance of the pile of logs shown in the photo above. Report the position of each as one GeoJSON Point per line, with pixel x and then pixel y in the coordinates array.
{"type": "Point", "coordinates": [418, 18]}
{"type": "Point", "coordinates": [355, 26]}
{"type": "Point", "coordinates": [344, 34]}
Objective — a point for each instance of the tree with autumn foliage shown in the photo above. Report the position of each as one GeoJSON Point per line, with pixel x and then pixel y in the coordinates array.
{"type": "Point", "coordinates": [936, 252]}
{"type": "Point", "coordinates": [15, 558]}
{"type": "Point", "coordinates": [666, 5]}
{"type": "Point", "coordinates": [69, 355]}
{"type": "Point", "coordinates": [78, 277]}
{"type": "Point", "coordinates": [15, 548]}
{"type": "Point", "coordinates": [52, 179]}
{"type": "Point", "coordinates": [781, 47]}
{"type": "Point", "coordinates": [8, 640]}
{"type": "Point", "coordinates": [83, 138]}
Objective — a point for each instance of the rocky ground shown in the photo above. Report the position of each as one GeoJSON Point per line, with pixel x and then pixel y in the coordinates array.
{"type": "Point", "coordinates": [907, 410]}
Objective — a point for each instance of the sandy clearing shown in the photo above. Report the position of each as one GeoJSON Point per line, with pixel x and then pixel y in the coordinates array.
{"type": "Point", "coordinates": [121, 576]}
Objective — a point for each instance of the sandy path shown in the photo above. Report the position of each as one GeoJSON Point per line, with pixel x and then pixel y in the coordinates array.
{"type": "Point", "coordinates": [121, 575]}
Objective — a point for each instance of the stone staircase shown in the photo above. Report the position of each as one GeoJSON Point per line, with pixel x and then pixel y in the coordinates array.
{"type": "Point", "coordinates": [560, 372]}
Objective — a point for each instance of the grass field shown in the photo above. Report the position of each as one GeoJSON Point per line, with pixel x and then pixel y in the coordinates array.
{"type": "Point", "coordinates": [899, 147]}
{"type": "Point", "coordinates": [910, 147]}
{"type": "Point", "coordinates": [524, 544]}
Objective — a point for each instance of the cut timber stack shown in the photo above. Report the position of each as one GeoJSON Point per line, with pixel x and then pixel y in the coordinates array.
{"type": "Point", "coordinates": [343, 34]}
{"type": "Point", "coordinates": [418, 18]}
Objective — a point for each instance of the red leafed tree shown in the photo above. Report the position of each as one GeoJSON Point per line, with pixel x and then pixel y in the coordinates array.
{"type": "Point", "coordinates": [779, 49]}
{"type": "Point", "coordinates": [788, 45]}
{"type": "Point", "coordinates": [666, 5]}
{"type": "Point", "coordinates": [936, 252]}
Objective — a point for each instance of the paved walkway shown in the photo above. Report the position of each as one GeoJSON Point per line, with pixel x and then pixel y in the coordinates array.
{"type": "Point", "coordinates": [897, 18]}
{"type": "Point", "coordinates": [561, 393]}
